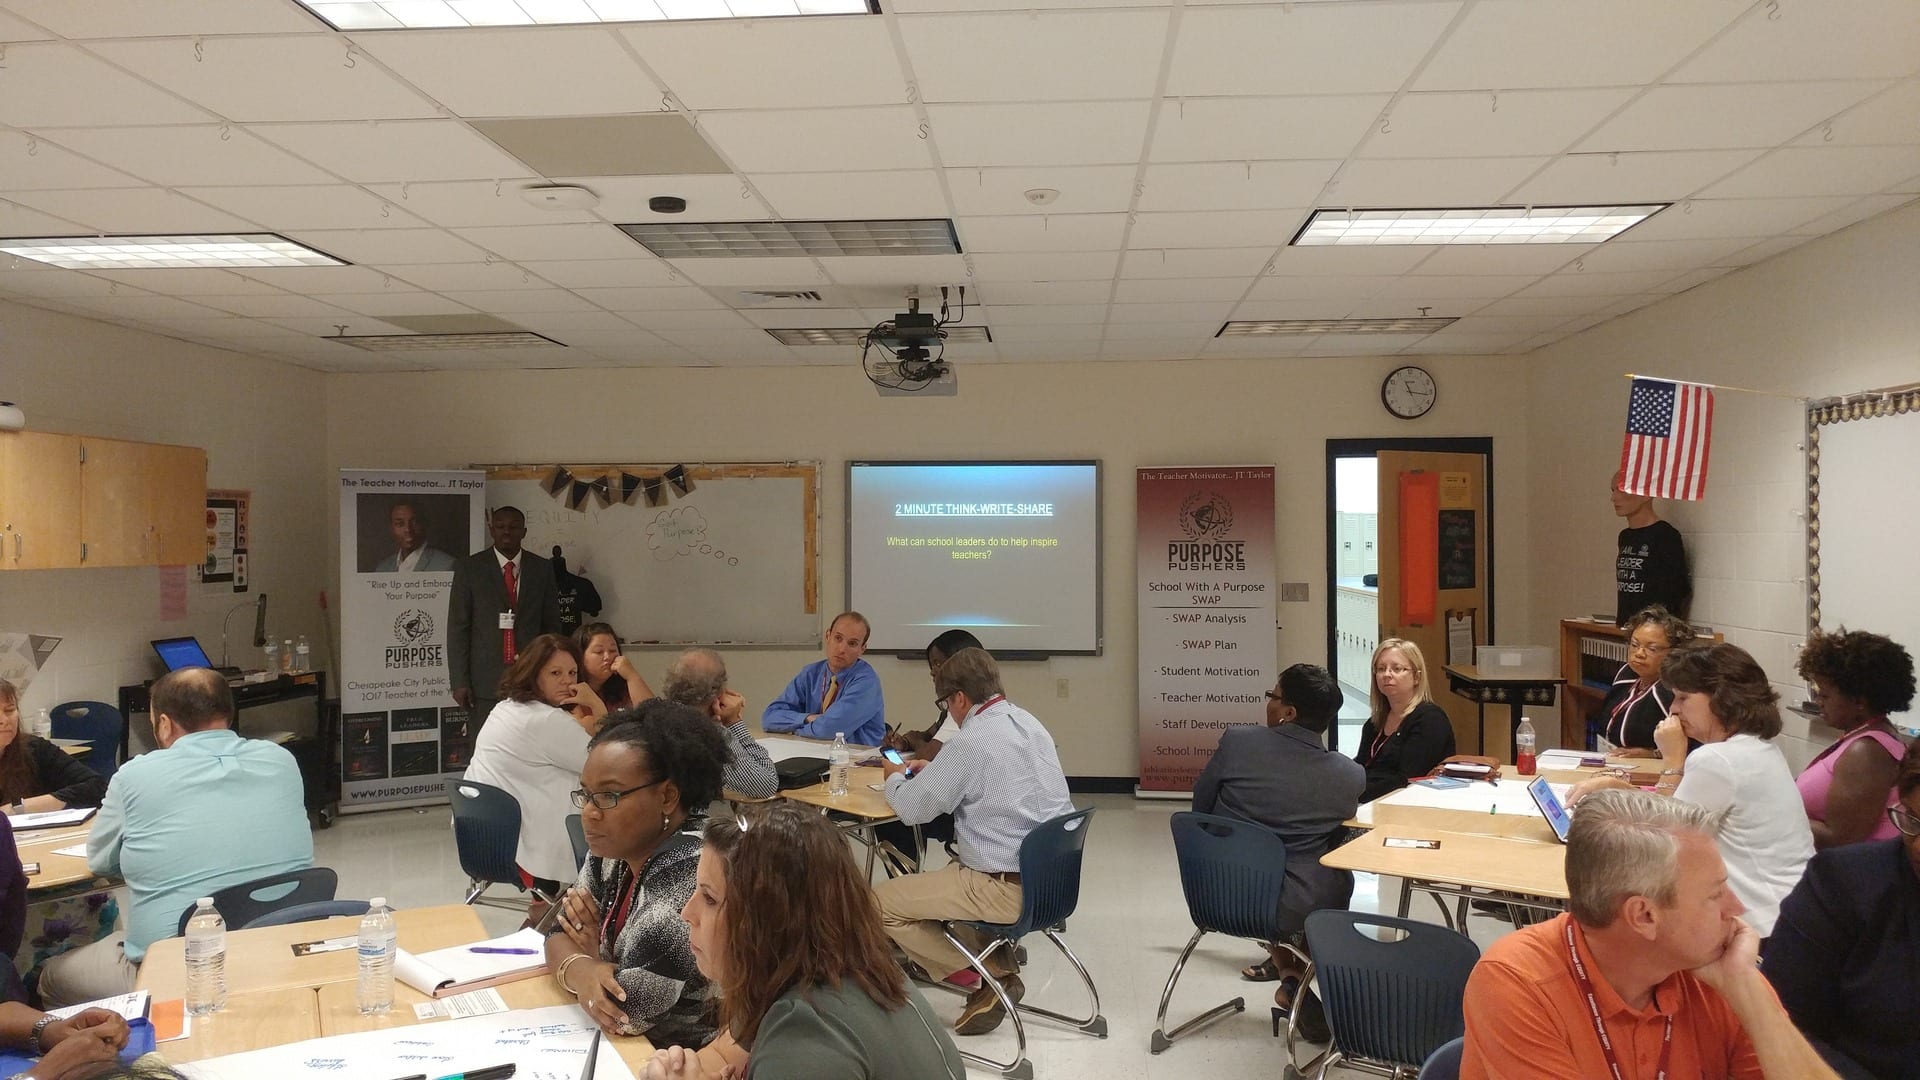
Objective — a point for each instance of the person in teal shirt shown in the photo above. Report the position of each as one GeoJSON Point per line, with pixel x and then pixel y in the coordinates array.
{"type": "Point", "coordinates": [207, 810]}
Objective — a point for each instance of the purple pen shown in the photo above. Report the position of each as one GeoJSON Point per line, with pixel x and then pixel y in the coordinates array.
{"type": "Point", "coordinates": [497, 951]}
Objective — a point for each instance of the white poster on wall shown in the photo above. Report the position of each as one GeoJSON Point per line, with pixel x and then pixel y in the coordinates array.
{"type": "Point", "coordinates": [400, 533]}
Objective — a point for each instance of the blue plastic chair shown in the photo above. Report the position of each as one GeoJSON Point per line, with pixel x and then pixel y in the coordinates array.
{"type": "Point", "coordinates": [1050, 858]}
{"type": "Point", "coordinates": [577, 833]}
{"type": "Point", "coordinates": [314, 912]}
{"type": "Point", "coordinates": [1233, 874]}
{"type": "Point", "coordinates": [1389, 1002]}
{"type": "Point", "coordinates": [100, 724]}
{"type": "Point", "coordinates": [240, 904]}
{"type": "Point", "coordinates": [486, 833]}
{"type": "Point", "coordinates": [1444, 1063]}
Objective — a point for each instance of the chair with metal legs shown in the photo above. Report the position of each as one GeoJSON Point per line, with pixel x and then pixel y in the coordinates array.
{"type": "Point", "coordinates": [1233, 874]}
{"type": "Point", "coordinates": [1393, 988]}
{"type": "Point", "coordinates": [486, 833]}
{"type": "Point", "coordinates": [1050, 859]}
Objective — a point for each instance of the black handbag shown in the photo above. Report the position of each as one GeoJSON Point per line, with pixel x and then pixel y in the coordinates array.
{"type": "Point", "coordinates": [799, 772]}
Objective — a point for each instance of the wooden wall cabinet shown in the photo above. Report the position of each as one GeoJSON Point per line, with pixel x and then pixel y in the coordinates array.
{"type": "Point", "coordinates": [76, 501]}
{"type": "Point", "coordinates": [1591, 653]}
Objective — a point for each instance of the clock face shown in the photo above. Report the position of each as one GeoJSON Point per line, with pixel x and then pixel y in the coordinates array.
{"type": "Point", "coordinates": [1408, 392]}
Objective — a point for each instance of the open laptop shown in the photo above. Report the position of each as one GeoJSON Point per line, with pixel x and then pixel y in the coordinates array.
{"type": "Point", "coordinates": [1550, 807]}
{"type": "Point", "coordinates": [181, 652]}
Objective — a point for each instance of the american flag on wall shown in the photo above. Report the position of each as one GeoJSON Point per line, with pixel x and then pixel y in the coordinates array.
{"type": "Point", "coordinates": [1669, 425]}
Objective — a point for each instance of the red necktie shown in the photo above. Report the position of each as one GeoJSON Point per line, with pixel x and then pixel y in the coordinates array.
{"type": "Point", "coordinates": [513, 601]}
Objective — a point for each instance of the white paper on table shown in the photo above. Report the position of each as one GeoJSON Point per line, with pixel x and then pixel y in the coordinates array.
{"type": "Point", "coordinates": [780, 749]}
{"type": "Point", "coordinates": [72, 815]}
{"type": "Point", "coordinates": [546, 1044]}
{"type": "Point", "coordinates": [1478, 797]}
{"type": "Point", "coordinates": [459, 969]}
{"type": "Point", "coordinates": [133, 1006]}
{"type": "Point", "coordinates": [477, 1003]}
{"type": "Point", "coordinates": [1568, 759]}
{"type": "Point", "coordinates": [78, 851]}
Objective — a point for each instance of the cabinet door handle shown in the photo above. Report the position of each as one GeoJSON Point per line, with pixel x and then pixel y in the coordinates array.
{"type": "Point", "coordinates": [16, 547]}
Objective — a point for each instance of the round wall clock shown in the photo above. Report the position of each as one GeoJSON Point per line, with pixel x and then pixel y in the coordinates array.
{"type": "Point", "coordinates": [1408, 392]}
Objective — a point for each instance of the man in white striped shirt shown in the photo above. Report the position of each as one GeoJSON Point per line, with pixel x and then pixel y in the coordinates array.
{"type": "Point", "coordinates": [999, 776]}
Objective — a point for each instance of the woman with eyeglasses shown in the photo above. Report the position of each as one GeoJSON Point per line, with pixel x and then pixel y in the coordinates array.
{"type": "Point", "coordinates": [618, 945]}
{"type": "Point", "coordinates": [1638, 700]}
{"type": "Point", "coordinates": [1857, 679]}
{"type": "Point", "coordinates": [532, 747]}
{"type": "Point", "coordinates": [1407, 735]}
{"type": "Point", "coordinates": [788, 930]}
{"type": "Point", "coordinates": [1845, 955]}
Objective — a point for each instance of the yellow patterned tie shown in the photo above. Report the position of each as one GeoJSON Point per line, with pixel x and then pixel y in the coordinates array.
{"type": "Point", "coordinates": [833, 689]}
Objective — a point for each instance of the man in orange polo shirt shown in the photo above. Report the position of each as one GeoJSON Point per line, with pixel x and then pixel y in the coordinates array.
{"type": "Point", "coordinates": [1651, 974]}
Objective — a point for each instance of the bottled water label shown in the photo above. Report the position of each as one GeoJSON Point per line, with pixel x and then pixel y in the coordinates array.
{"type": "Point", "coordinates": [206, 947]}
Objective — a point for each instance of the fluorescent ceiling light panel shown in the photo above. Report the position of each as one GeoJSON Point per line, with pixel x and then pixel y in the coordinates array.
{"type": "Point", "coordinates": [439, 14]}
{"type": "Point", "coordinates": [150, 252]}
{"type": "Point", "coordinates": [1473, 225]}
{"type": "Point", "coordinates": [772, 239]}
{"type": "Point", "coordinates": [437, 342]}
{"type": "Point", "coordinates": [852, 335]}
{"type": "Point", "coordinates": [1267, 327]}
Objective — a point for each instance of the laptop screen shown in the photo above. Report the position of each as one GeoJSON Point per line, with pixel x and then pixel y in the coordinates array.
{"type": "Point", "coordinates": [1550, 807]}
{"type": "Point", "coordinates": [181, 652]}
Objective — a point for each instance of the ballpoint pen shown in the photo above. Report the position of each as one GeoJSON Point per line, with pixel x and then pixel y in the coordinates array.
{"type": "Point", "coordinates": [496, 950]}
{"type": "Point", "coordinates": [492, 1072]}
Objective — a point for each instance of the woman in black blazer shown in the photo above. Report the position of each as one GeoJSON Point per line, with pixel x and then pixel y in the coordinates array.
{"type": "Point", "coordinates": [1408, 735]}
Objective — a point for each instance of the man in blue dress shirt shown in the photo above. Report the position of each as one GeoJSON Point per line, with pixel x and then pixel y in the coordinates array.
{"type": "Point", "coordinates": [839, 695]}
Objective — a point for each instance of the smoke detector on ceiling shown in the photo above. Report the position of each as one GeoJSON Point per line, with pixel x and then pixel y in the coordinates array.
{"type": "Point", "coordinates": [559, 197]}
{"type": "Point", "coordinates": [1042, 196]}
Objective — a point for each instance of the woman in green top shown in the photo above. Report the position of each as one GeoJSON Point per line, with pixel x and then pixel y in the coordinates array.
{"type": "Point", "coordinates": [789, 933]}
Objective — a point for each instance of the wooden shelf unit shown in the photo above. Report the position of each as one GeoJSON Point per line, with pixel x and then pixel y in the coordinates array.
{"type": "Point", "coordinates": [1579, 698]}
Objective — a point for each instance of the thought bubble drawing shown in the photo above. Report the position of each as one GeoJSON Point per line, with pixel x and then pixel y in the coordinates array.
{"type": "Point", "coordinates": [676, 532]}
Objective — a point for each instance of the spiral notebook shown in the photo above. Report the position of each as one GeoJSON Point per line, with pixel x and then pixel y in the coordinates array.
{"type": "Point", "coordinates": [443, 972]}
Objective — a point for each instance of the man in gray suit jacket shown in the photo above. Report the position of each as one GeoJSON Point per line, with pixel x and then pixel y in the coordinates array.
{"type": "Point", "coordinates": [477, 611]}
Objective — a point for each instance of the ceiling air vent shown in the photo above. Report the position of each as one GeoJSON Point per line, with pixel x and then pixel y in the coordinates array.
{"type": "Point", "coordinates": [754, 297]}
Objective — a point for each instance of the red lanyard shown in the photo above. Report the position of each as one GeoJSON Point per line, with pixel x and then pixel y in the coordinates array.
{"type": "Point", "coordinates": [1600, 1026]}
{"type": "Point", "coordinates": [609, 927]}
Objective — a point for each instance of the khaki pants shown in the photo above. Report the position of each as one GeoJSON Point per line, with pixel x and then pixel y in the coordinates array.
{"type": "Point", "coordinates": [912, 905]}
{"type": "Point", "coordinates": [88, 973]}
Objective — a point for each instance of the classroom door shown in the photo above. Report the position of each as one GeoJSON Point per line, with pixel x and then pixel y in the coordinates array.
{"type": "Point", "coordinates": [1445, 578]}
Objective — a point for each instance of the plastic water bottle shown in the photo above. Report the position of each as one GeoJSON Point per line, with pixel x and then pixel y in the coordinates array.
{"type": "Point", "coordinates": [43, 725]}
{"type": "Point", "coordinates": [841, 761]}
{"type": "Point", "coordinates": [1524, 744]}
{"type": "Point", "coordinates": [374, 994]}
{"type": "Point", "coordinates": [206, 959]}
{"type": "Point", "coordinates": [302, 655]}
{"type": "Point", "coordinates": [271, 651]}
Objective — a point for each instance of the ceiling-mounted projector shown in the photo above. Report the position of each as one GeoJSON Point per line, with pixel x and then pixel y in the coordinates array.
{"type": "Point", "coordinates": [904, 354]}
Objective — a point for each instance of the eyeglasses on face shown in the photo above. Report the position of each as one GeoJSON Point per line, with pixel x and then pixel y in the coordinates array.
{"type": "Point", "coordinates": [1647, 647]}
{"type": "Point", "coordinates": [1393, 669]}
{"type": "Point", "coordinates": [607, 800]}
{"type": "Point", "coordinates": [941, 701]}
{"type": "Point", "coordinates": [1905, 820]}
{"type": "Point", "coordinates": [1274, 695]}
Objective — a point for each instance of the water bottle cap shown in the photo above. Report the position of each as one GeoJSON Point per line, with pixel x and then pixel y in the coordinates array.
{"type": "Point", "coordinates": [205, 902]}
{"type": "Point", "coordinates": [378, 901]}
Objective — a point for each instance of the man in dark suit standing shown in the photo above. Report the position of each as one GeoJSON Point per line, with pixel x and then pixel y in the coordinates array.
{"type": "Point", "coordinates": [502, 597]}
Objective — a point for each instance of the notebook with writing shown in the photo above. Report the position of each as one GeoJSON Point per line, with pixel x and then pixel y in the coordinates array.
{"type": "Point", "coordinates": [481, 964]}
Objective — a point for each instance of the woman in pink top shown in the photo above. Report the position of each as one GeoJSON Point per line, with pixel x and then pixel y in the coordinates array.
{"type": "Point", "coordinates": [1857, 679]}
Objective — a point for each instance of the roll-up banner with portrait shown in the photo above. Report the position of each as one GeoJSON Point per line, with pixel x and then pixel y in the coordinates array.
{"type": "Point", "coordinates": [400, 534]}
{"type": "Point", "coordinates": [1206, 594]}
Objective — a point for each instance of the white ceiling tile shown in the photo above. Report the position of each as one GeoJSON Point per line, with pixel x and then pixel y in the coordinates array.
{"type": "Point", "coordinates": [16, 220]}
{"type": "Point", "coordinates": [1194, 262]}
{"type": "Point", "coordinates": [1675, 255]}
{"type": "Point", "coordinates": [1515, 44]}
{"type": "Point", "coordinates": [931, 270]}
{"type": "Point", "coordinates": [1891, 119]}
{"type": "Point", "coordinates": [768, 273]}
{"type": "Point", "coordinates": [1027, 335]}
{"type": "Point", "coordinates": [1046, 314]}
{"type": "Point", "coordinates": [1048, 266]}
{"type": "Point", "coordinates": [1487, 286]}
{"type": "Point", "coordinates": [188, 281]}
{"type": "Point", "coordinates": [1446, 344]}
{"type": "Point", "coordinates": [1323, 308]}
{"type": "Point", "coordinates": [1767, 249]}
{"type": "Point", "coordinates": [389, 247]}
{"type": "Point", "coordinates": [316, 279]}
{"type": "Point", "coordinates": [831, 196]}
{"type": "Point", "coordinates": [533, 71]}
{"type": "Point", "coordinates": [269, 78]}
{"type": "Point", "coordinates": [132, 210]}
{"type": "Point", "coordinates": [33, 161]}
{"type": "Point", "coordinates": [1430, 182]}
{"type": "Point", "coordinates": [1595, 283]}
{"type": "Point", "coordinates": [501, 301]}
{"type": "Point", "coordinates": [765, 60]}
{"type": "Point", "coordinates": [1211, 313]}
{"type": "Point", "coordinates": [1861, 39]}
{"type": "Point", "coordinates": [1838, 170]}
{"type": "Point", "coordinates": [1011, 293]}
{"type": "Point", "coordinates": [1257, 129]}
{"type": "Point", "coordinates": [1035, 57]}
{"type": "Point", "coordinates": [41, 80]}
{"type": "Point", "coordinates": [1360, 344]}
{"type": "Point", "coordinates": [473, 203]}
{"type": "Point", "coordinates": [21, 277]}
{"type": "Point", "coordinates": [1607, 179]}
{"type": "Point", "coordinates": [1509, 259]}
{"type": "Point", "coordinates": [191, 154]}
{"type": "Point", "coordinates": [790, 318]}
{"type": "Point", "coordinates": [1303, 48]}
{"type": "Point", "coordinates": [736, 338]}
{"type": "Point", "coordinates": [142, 307]}
{"type": "Point", "coordinates": [1323, 288]}
{"type": "Point", "coordinates": [331, 206]}
{"type": "Point", "coordinates": [276, 305]}
{"type": "Point", "coordinates": [642, 270]}
{"type": "Point", "coordinates": [1724, 117]}
{"type": "Point", "coordinates": [1871, 206]}
{"type": "Point", "coordinates": [1478, 124]}
{"type": "Point", "coordinates": [713, 197]}
{"type": "Point", "coordinates": [477, 275]}
{"type": "Point", "coordinates": [16, 29]}
{"type": "Point", "coordinates": [397, 150]}
{"type": "Point", "coordinates": [555, 242]}
{"type": "Point", "coordinates": [675, 298]}
{"type": "Point", "coordinates": [1692, 278]}
{"type": "Point", "coordinates": [712, 319]}
{"type": "Point", "coordinates": [140, 18]}
{"type": "Point", "coordinates": [819, 140]}
{"type": "Point", "coordinates": [1174, 290]}
{"type": "Point", "coordinates": [395, 301]}
{"type": "Point", "coordinates": [1049, 232]}
{"type": "Point", "coordinates": [1259, 185]}
{"type": "Point", "coordinates": [1566, 306]}
{"type": "Point", "coordinates": [1214, 228]}
{"type": "Point", "coordinates": [564, 324]}
{"type": "Point", "coordinates": [1348, 261]}
{"type": "Point", "coordinates": [1169, 350]}
{"type": "Point", "coordinates": [1706, 219]}
{"type": "Point", "coordinates": [1262, 346]}
{"type": "Point", "coordinates": [1086, 189]}
{"type": "Point", "coordinates": [1084, 133]}
{"type": "Point", "coordinates": [1411, 307]}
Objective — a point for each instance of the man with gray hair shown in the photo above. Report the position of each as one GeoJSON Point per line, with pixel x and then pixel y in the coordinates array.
{"type": "Point", "coordinates": [1652, 973]}
{"type": "Point", "coordinates": [698, 678]}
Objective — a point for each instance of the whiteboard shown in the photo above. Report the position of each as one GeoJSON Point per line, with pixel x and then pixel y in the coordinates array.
{"type": "Point", "coordinates": [733, 562]}
{"type": "Point", "coordinates": [1865, 516]}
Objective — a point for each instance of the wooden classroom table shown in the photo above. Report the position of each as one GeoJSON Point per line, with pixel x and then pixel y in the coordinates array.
{"type": "Point", "coordinates": [262, 959]}
{"type": "Point", "coordinates": [59, 876]}
{"type": "Point", "coordinates": [1512, 871]}
{"type": "Point", "coordinates": [865, 806]}
{"type": "Point", "coordinates": [249, 1022]}
{"type": "Point", "coordinates": [339, 1015]}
